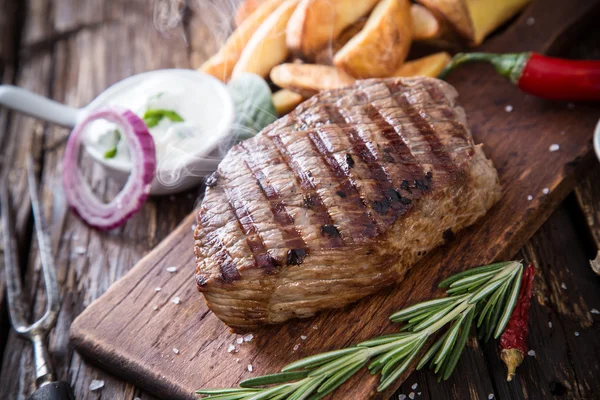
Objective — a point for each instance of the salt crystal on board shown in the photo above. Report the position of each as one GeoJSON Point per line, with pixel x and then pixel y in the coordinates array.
{"type": "Point", "coordinates": [549, 324]}
{"type": "Point", "coordinates": [531, 353]}
{"type": "Point", "coordinates": [172, 269]}
{"type": "Point", "coordinates": [530, 21]}
{"type": "Point", "coordinates": [554, 147]}
{"type": "Point", "coordinates": [155, 308]}
{"type": "Point", "coordinates": [230, 348]}
{"type": "Point", "coordinates": [490, 396]}
{"type": "Point", "coordinates": [411, 395]}
{"type": "Point", "coordinates": [296, 347]}
{"type": "Point", "coordinates": [175, 300]}
{"type": "Point", "coordinates": [175, 350]}
{"type": "Point", "coordinates": [96, 385]}
{"type": "Point", "coordinates": [303, 337]}
{"type": "Point", "coordinates": [79, 250]}
{"type": "Point", "coordinates": [239, 340]}
{"type": "Point", "coordinates": [414, 386]}
{"type": "Point", "coordinates": [158, 289]}
{"type": "Point", "coordinates": [563, 285]}
{"type": "Point", "coordinates": [576, 333]}
{"type": "Point", "coordinates": [250, 368]}
{"type": "Point", "coordinates": [401, 397]}
{"type": "Point", "coordinates": [248, 337]}
{"type": "Point", "coordinates": [530, 197]}
{"type": "Point", "coordinates": [594, 311]}
{"type": "Point", "coordinates": [508, 108]}
{"type": "Point", "coordinates": [546, 191]}
{"type": "Point", "coordinates": [315, 327]}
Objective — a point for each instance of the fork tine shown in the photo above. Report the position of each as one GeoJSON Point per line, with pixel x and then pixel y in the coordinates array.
{"type": "Point", "coordinates": [52, 293]}
{"type": "Point", "coordinates": [11, 261]}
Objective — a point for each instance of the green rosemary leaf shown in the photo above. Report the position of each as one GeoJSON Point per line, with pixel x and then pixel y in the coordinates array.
{"type": "Point", "coordinates": [473, 271]}
{"type": "Point", "coordinates": [394, 357]}
{"type": "Point", "coordinates": [510, 304]}
{"type": "Point", "coordinates": [318, 359]}
{"type": "Point", "coordinates": [401, 368]}
{"type": "Point", "coordinates": [489, 288]}
{"type": "Point", "coordinates": [473, 279]}
{"type": "Point", "coordinates": [382, 339]}
{"type": "Point", "coordinates": [432, 351]}
{"type": "Point", "coordinates": [489, 306]}
{"type": "Point", "coordinates": [407, 313]}
{"type": "Point", "coordinates": [435, 317]}
{"type": "Point", "coordinates": [306, 389]}
{"type": "Point", "coordinates": [450, 339]}
{"type": "Point", "coordinates": [232, 396]}
{"type": "Point", "coordinates": [273, 378]}
{"type": "Point", "coordinates": [459, 346]}
{"type": "Point", "coordinates": [331, 367]}
{"type": "Point", "coordinates": [267, 393]}
{"type": "Point", "coordinates": [340, 377]}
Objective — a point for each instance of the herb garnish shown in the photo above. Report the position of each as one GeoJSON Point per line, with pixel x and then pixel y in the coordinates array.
{"type": "Point", "coordinates": [112, 152]}
{"type": "Point", "coordinates": [153, 116]}
{"type": "Point", "coordinates": [485, 294]}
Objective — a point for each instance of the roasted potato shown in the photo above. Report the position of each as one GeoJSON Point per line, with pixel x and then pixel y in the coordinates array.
{"type": "Point", "coordinates": [383, 44]}
{"type": "Point", "coordinates": [473, 20]}
{"type": "Point", "coordinates": [309, 79]}
{"type": "Point", "coordinates": [285, 101]}
{"type": "Point", "coordinates": [245, 9]}
{"type": "Point", "coordinates": [425, 25]}
{"type": "Point", "coordinates": [221, 64]}
{"type": "Point", "coordinates": [267, 46]}
{"type": "Point", "coordinates": [316, 23]}
{"type": "Point", "coordinates": [430, 65]}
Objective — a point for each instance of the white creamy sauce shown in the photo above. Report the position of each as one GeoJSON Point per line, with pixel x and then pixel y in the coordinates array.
{"type": "Point", "coordinates": [173, 140]}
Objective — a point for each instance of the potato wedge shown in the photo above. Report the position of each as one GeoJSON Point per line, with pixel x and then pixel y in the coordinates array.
{"type": "Point", "coordinates": [245, 10]}
{"type": "Point", "coordinates": [487, 15]}
{"type": "Point", "coordinates": [221, 64]}
{"type": "Point", "coordinates": [285, 101]}
{"type": "Point", "coordinates": [267, 46]}
{"type": "Point", "coordinates": [425, 25]}
{"type": "Point", "coordinates": [309, 79]}
{"type": "Point", "coordinates": [325, 55]}
{"type": "Point", "coordinates": [473, 20]}
{"type": "Point", "coordinates": [316, 23]}
{"type": "Point", "coordinates": [430, 65]}
{"type": "Point", "coordinates": [383, 44]}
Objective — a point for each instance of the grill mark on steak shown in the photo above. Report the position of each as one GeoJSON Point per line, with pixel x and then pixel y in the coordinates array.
{"type": "Point", "coordinates": [422, 124]}
{"type": "Point", "coordinates": [288, 230]}
{"type": "Point", "coordinates": [383, 182]}
{"type": "Point", "coordinates": [356, 205]}
{"type": "Point", "coordinates": [262, 258]}
{"type": "Point", "coordinates": [312, 199]}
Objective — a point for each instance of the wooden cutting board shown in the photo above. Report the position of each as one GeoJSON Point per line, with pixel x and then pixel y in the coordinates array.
{"type": "Point", "coordinates": [138, 333]}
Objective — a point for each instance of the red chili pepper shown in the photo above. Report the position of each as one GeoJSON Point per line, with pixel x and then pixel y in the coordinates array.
{"type": "Point", "coordinates": [513, 342]}
{"type": "Point", "coordinates": [547, 77]}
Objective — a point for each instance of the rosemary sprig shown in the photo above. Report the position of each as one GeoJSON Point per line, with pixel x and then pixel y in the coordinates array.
{"type": "Point", "coordinates": [486, 295]}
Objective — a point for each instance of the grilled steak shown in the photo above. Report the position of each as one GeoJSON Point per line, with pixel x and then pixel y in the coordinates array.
{"type": "Point", "coordinates": [337, 200]}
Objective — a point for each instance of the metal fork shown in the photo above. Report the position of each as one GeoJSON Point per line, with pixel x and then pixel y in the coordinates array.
{"type": "Point", "coordinates": [48, 387]}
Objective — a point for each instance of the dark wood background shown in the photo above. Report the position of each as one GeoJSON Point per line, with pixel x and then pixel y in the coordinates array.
{"type": "Point", "coordinates": [71, 50]}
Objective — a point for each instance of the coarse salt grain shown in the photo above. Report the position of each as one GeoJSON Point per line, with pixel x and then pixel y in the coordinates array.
{"type": "Point", "coordinates": [230, 348]}
{"type": "Point", "coordinates": [79, 250]}
{"type": "Point", "coordinates": [155, 308]}
{"type": "Point", "coordinates": [401, 397]}
{"type": "Point", "coordinates": [419, 393]}
{"type": "Point", "coordinates": [531, 353]}
{"type": "Point", "coordinates": [303, 337]}
{"type": "Point", "coordinates": [172, 269]}
{"type": "Point", "coordinates": [175, 300]}
{"type": "Point", "coordinates": [508, 108]}
{"type": "Point", "coordinates": [296, 347]}
{"type": "Point", "coordinates": [530, 197]}
{"type": "Point", "coordinates": [248, 337]}
{"type": "Point", "coordinates": [490, 396]}
{"type": "Point", "coordinates": [549, 324]}
{"type": "Point", "coordinates": [411, 395]}
{"type": "Point", "coordinates": [563, 285]}
{"type": "Point", "coordinates": [136, 398]}
{"type": "Point", "coordinates": [576, 333]}
{"type": "Point", "coordinates": [546, 191]}
{"type": "Point", "coordinates": [175, 350]}
{"type": "Point", "coordinates": [554, 147]}
{"type": "Point", "coordinates": [530, 21]}
{"type": "Point", "coordinates": [96, 385]}
{"type": "Point", "coordinates": [594, 311]}
{"type": "Point", "coordinates": [315, 327]}
{"type": "Point", "coordinates": [158, 289]}
{"type": "Point", "coordinates": [250, 368]}
{"type": "Point", "coordinates": [239, 340]}
{"type": "Point", "coordinates": [414, 386]}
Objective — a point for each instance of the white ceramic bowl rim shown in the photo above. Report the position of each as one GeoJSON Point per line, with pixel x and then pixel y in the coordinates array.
{"type": "Point", "coordinates": [220, 132]}
{"type": "Point", "coordinates": [597, 140]}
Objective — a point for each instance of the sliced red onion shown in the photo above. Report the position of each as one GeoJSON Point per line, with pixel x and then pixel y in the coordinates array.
{"type": "Point", "coordinates": [135, 192]}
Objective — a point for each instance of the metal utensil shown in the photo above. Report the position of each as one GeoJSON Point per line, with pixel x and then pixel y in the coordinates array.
{"type": "Point", "coordinates": [48, 387]}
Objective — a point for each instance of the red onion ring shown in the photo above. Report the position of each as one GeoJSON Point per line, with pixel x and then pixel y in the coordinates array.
{"type": "Point", "coordinates": [135, 192]}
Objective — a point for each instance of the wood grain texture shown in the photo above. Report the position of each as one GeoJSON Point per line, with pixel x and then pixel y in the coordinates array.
{"type": "Point", "coordinates": [124, 334]}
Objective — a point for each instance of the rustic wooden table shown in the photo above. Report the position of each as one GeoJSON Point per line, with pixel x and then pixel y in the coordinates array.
{"type": "Point", "coordinates": [71, 50]}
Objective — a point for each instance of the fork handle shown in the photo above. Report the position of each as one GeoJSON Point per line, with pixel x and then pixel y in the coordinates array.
{"type": "Point", "coordinates": [57, 390]}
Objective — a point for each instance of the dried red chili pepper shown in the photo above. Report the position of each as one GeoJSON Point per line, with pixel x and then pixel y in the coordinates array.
{"type": "Point", "coordinates": [546, 77]}
{"type": "Point", "coordinates": [513, 342]}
